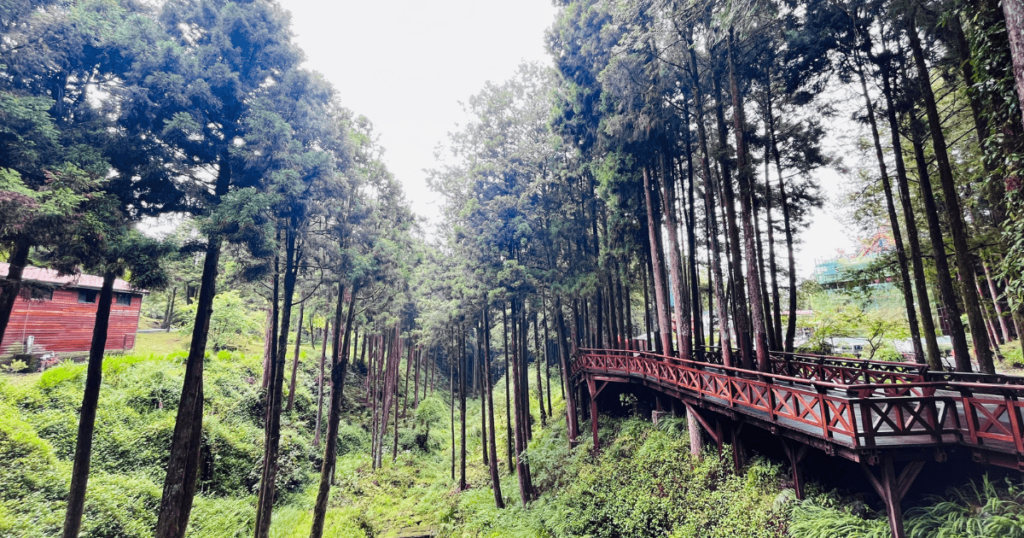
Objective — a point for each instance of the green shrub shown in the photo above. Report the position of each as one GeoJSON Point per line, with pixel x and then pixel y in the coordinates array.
{"type": "Point", "coordinates": [28, 460]}
{"type": "Point", "coordinates": [971, 511]}
{"type": "Point", "coordinates": [809, 520]}
{"type": "Point", "coordinates": [32, 481]}
{"type": "Point", "coordinates": [16, 366]}
{"type": "Point", "coordinates": [643, 483]}
{"type": "Point", "coordinates": [215, 517]}
{"type": "Point", "coordinates": [229, 457]}
{"type": "Point", "coordinates": [120, 506]}
{"type": "Point", "coordinates": [888, 353]}
{"type": "Point", "coordinates": [1013, 355]}
{"type": "Point", "coordinates": [64, 372]}
{"type": "Point", "coordinates": [351, 439]}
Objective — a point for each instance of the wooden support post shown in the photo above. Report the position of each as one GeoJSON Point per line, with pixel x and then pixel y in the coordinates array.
{"type": "Point", "coordinates": [739, 452]}
{"type": "Point", "coordinates": [892, 489]}
{"type": "Point", "coordinates": [592, 388]}
{"type": "Point", "coordinates": [714, 431]}
{"type": "Point", "coordinates": [795, 454]}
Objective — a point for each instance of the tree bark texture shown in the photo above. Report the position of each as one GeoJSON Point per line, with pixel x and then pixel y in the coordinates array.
{"type": "Point", "coordinates": [958, 228]}
{"type": "Point", "coordinates": [295, 358]}
{"type": "Point", "coordinates": [11, 285]}
{"type": "Point", "coordinates": [339, 361]}
{"type": "Point", "coordinates": [745, 177]}
{"type": "Point", "coordinates": [87, 417]}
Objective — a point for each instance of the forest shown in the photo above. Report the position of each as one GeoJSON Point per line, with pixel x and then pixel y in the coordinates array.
{"type": "Point", "coordinates": [328, 366]}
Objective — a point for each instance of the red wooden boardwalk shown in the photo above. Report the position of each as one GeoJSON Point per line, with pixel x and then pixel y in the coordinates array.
{"type": "Point", "coordinates": [870, 412]}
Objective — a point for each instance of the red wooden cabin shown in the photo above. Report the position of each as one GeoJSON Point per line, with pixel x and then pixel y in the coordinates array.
{"type": "Point", "coordinates": [57, 313]}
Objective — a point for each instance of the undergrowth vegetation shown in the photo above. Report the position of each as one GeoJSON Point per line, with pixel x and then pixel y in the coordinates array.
{"type": "Point", "coordinates": [977, 510]}
{"type": "Point", "coordinates": [642, 483]}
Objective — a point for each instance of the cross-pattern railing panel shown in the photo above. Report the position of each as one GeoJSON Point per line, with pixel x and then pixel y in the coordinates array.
{"type": "Point", "coordinates": [846, 402]}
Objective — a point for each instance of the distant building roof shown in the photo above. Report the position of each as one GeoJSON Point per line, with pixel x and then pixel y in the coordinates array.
{"type": "Point", "coordinates": [49, 276]}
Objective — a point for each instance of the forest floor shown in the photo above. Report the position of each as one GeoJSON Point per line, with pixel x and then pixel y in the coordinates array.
{"type": "Point", "coordinates": [642, 483]}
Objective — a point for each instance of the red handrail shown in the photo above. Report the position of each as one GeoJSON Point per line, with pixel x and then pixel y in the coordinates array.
{"type": "Point", "coordinates": [912, 410]}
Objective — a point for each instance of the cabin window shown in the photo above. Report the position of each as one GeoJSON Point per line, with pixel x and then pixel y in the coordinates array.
{"type": "Point", "coordinates": [124, 299]}
{"type": "Point", "coordinates": [87, 296]}
{"type": "Point", "coordinates": [42, 294]}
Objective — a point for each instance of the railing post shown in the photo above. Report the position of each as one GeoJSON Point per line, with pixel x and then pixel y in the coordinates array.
{"type": "Point", "coordinates": [970, 416]}
{"type": "Point", "coordinates": [823, 408]}
{"type": "Point", "coordinates": [1013, 412]}
{"type": "Point", "coordinates": [865, 421]}
{"type": "Point", "coordinates": [931, 408]}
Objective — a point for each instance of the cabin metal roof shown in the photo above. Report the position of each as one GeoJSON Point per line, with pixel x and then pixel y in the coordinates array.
{"type": "Point", "coordinates": [50, 276]}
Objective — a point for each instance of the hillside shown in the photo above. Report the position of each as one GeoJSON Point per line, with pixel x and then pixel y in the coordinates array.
{"type": "Point", "coordinates": [643, 483]}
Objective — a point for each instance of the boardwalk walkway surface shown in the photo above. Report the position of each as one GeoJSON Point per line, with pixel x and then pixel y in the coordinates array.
{"type": "Point", "coordinates": [872, 412]}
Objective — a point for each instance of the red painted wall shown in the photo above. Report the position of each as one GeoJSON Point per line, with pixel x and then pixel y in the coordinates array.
{"type": "Point", "coordinates": [65, 325]}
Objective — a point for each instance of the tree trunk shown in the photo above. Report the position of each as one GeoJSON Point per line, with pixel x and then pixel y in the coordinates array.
{"type": "Point", "coordinates": [265, 503]}
{"type": "Point", "coordinates": [377, 361]}
{"type": "Point", "coordinates": [483, 386]}
{"type": "Point", "coordinates": [408, 366]}
{"type": "Point", "coordinates": [709, 207]}
{"type": "Point", "coordinates": [660, 297]}
{"type": "Point", "coordinates": [295, 359]}
{"type": "Point", "coordinates": [11, 285]}
{"type": "Point", "coordinates": [398, 363]}
{"type": "Point", "coordinates": [524, 369]}
{"type": "Point", "coordinates": [684, 336]}
{"type": "Point", "coordinates": [696, 304]}
{"type": "Point", "coordinates": [462, 408]}
{"type": "Point", "coordinates": [945, 281]}
{"type": "Point", "coordinates": [1013, 12]}
{"type": "Point", "coordinates": [995, 303]}
{"type": "Point", "coordinates": [451, 399]}
{"type": "Point", "coordinates": [993, 337]}
{"type": "Point", "coordinates": [416, 378]}
{"type": "Point", "coordinates": [547, 354]}
{"type": "Point", "coordinates": [183, 461]}
{"type": "Point", "coordinates": [958, 229]}
{"type": "Point", "coordinates": [920, 282]}
{"type": "Point", "coordinates": [648, 335]}
{"type": "Point", "coordinates": [520, 425]}
{"type": "Point", "coordinates": [87, 417]}
{"type": "Point", "coordinates": [340, 364]}
{"type": "Point", "coordinates": [610, 315]}
{"type": "Point", "coordinates": [766, 304]}
{"type": "Point", "coordinates": [169, 315]}
{"type": "Point", "coordinates": [537, 361]}
{"type": "Point", "coordinates": [627, 311]}
{"type": "Point", "coordinates": [508, 392]}
{"type": "Point", "coordinates": [740, 319]}
{"type": "Point", "coordinates": [894, 223]}
{"type": "Point", "coordinates": [572, 422]}
{"type": "Point", "coordinates": [745, 177]}
{"type": "Point", "coordinates": [492, 448]}
{"type": "Point", "coordinates": [773, 268]}
{"type": "Point", "coordinates": [320, 386]}
{"type": "Point", "coordinates": [433, 372]}
{"type": "Point", "coordinates": [269, 341]}
{"type": "Point", "coordinates": [312, 333]}
{"type": "Point", "coordinates": [787, 227]}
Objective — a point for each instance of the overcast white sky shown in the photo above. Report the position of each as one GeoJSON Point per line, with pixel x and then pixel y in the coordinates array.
{"type": "Point", "coordinates": [406, 65]}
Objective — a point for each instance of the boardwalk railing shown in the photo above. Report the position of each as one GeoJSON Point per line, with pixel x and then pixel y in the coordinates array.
{"type": "Point", "coordinates": [860, 406]}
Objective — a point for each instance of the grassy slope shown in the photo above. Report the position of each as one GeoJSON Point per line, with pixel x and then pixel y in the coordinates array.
{"type": "Point", "coordinates": [642, 484]}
